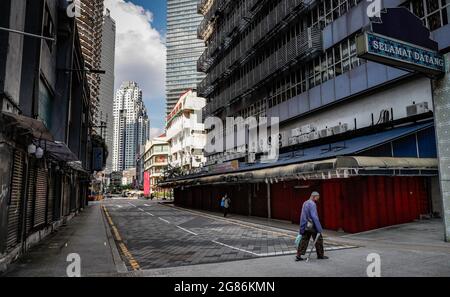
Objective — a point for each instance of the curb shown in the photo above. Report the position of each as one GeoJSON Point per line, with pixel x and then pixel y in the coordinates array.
{"type": "Point", "coordinates": [120, 264]}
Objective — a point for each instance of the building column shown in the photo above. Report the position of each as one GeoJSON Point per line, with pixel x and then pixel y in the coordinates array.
{"type": "Point", "coordinates": [269, 207]}
{"type": "Point", "coordinates": [441, 99]}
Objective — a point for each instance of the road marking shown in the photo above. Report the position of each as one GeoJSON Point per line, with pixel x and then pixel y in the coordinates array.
{"type": "Point", "coordinates": [146, 205]}
{"type": "Point", "coordinates": [235, 248]}
{"type": "Point", "coordinates": [187, 230]}
{"type": "Point", "coordinates": [131, 204]}
{"type": "Point", "coordinates": [118, 205]}
{"type": "Point", "coordinates": [212, 217]}
{"type": "Point", "coordinates": [277, 254]}
{"type": "Point", "coordinates": [164, 220]}
{"type": "Point", "coordinates": [150, 214]}
{"type": "Point", "coordinates": [141, 209]}
{"type": "Point", "coordinates": [123, 248]}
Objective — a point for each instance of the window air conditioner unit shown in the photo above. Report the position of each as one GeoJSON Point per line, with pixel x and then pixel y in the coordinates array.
{"type": "Point", "coordinates": [416, 109]}
{"type": "Point", "coordinates": [323, 133]}
{"type": "Point", "coordinates": [314, 135]}
{"type": "Point", "coordinates": [293, 140]}
{"type": "Point", "coordinates": [296, 132]}
{"type": "Point", "coordinates": [251, 158]}
{"type": "Point", "coordinates": [340, 129]}
{"type": "Point", "coordinates": [303, 138]}
{"type": "Point", "coordinates": [307, 129]}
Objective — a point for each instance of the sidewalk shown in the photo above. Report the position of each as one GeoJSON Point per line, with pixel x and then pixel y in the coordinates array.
{"type": "Point", "coordinates": [425, 235]}
{"type": "Point", "coordinates": [85, 235]}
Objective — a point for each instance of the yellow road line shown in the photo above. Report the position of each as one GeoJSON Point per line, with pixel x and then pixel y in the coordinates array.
{"type": "Point", "coordinates": [123, 248]}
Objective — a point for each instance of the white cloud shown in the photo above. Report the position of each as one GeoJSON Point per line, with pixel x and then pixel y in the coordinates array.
{"type": "Point", "coordinates": [155, 132]}
{"type": "Point", "coordinates": [140, 52]}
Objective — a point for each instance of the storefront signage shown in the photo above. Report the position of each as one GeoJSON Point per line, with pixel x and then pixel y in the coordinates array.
{"type": "Point", "coordinates": [393, 52]}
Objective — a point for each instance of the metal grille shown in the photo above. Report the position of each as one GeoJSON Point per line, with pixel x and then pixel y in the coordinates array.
{"type": "Point", "coordinates": [16, 198]}
{"type": "Point", "coordinates": [40, 204]}
{"type": "Point", "coordinates": [31, 192]}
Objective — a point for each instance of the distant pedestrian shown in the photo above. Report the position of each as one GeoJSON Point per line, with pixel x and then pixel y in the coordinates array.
{"type": "Point", "coordinates": [310, 227]}
{"type": "Point", "coordinates": [225, 203]}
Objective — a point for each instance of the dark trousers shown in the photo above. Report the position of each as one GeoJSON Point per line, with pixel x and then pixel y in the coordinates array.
{"type": "Point", "coordinates": [225, 212]}
{"type": "Point", "coordinates": [303, 246]}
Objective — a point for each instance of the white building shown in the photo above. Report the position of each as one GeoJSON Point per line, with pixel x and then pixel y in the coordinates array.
{"type": "Point", "coordinates": [156, 160]}
{"type": "Point", "coordinates": [131, 126]}
{"type": "Point", "coordinates": [186, 132]}
{"type": "Point", "coordinates": [106, 100]}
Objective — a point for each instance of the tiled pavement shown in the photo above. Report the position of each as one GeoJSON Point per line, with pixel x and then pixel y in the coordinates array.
{"type": "Point", "coordinates": [159, 236]}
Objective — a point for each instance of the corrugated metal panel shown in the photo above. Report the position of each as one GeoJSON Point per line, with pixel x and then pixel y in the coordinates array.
{"type": "Point", "coordinates": [31, 195]}
{"type": "Point", "coordinates": [51, 198]}
{"type": "Point", "coordinates": [16, 200]}
{"type": "Point", "coordinates": [40, 203]}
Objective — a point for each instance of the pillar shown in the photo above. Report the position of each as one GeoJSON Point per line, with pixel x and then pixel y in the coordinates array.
{"type": "Point", "coordinates": [441, 99]}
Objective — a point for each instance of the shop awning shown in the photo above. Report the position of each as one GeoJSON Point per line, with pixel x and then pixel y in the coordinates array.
{"type": "Point", "coordinates": [334, 160]}
{"type": "Point", "coordinates": [340, 167]}
{"type": "Point", "coordinates": [60, 151]}
{"type": "Point", "coordinates": [29, 125]}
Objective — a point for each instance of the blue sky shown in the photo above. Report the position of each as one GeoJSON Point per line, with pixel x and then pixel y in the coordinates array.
{"type": "Point", "coordinates": [159, 10]}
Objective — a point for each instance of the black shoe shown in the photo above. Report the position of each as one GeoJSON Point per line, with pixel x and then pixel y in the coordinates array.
{"type": "Point", "coordinates": [323, 258]}
{"type": "Point", "coordinates": [298, 259]}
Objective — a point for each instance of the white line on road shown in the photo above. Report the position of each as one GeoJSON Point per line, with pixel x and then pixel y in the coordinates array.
{"type": "Point", "coordinates": [141, 209]}
{"type": "Point", "coordinates": [235, 248]}
{"type": "Point", "coordinates": [131, 204]}
{"type": "Point", "coordinates": [164, 220]}
{"type": "Point", "coordinates": [150, 214]}
{"type": "Point", "coordinates": [146, 205]}
{"type": "Point", "coordinates": [187, 230]}
{"type": "Point", "coordinates": [277, 254]}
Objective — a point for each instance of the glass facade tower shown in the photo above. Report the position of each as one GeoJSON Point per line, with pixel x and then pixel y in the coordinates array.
{"type": "Point", "coordinates": [183, 49]}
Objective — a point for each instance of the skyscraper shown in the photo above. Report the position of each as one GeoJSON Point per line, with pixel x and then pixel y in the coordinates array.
{"type": "Point", "coordinates": [183, 49]}
{"type": "Point", "coordinates": [106, 97]}
{"type": "Point", "coordinates": [131, 126]}
{"type": "Point", "coordinates": [90, 25]}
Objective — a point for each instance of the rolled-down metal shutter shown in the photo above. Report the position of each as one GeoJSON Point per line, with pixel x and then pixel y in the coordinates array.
{"type": "Point", "coordinates": [40, 203]}
{"type": "Point", "coordinates": [31, 195]}
{"type": "Point", "coordinates": [51, 198]}
{"type": "Point", "coordinates": [16, 198]}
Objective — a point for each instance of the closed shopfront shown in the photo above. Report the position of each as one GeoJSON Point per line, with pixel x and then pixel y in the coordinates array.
{"type": "Point", "coordinates": [40, 202]}
{"type": "Point", "coordinates": [16, 202]}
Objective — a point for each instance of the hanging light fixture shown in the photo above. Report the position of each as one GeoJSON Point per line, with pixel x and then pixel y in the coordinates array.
{"type": "Point", "coordinates": [39, 153]}
{"type": "Point", "coordinates": [31, 149]}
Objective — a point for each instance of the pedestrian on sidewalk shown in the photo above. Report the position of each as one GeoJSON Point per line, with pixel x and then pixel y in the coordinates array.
{"type": "Point", "coordinates": [226, 203]}
{"type": "Point", "coordinates": [310, 227]}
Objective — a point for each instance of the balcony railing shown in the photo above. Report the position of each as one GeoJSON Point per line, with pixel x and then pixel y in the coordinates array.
{"type": "Point", "coordinates": [299, 49]}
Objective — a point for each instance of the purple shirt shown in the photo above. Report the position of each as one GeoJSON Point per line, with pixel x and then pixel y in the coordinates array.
{"type": "Point", "coordinates": [309, 213]}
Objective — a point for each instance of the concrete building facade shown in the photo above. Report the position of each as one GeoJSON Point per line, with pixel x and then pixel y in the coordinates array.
{"type": "Point", "coordinates": [156, 159]}
{"type": "Point", "coordinates": [90, 25]}
{"type": "Point", "coordinates": [359, 132]}
{"type": "Point", "coordinates": [183, 49]}
{"type": "Point", "coordinates": [186, 133]}
{"type": "Point", "coordinates": [44, 114]}
{"type": "Point", "coordinates": [106, 92]}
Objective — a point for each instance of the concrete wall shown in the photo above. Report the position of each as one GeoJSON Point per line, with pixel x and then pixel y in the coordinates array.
{"type": "Point", "coordinates": [12, 15]}
{"type": "Point", "coordinates": [361, 109]}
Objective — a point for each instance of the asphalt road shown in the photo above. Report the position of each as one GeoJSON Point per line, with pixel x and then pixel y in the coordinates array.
{"type": "Point", "coordinates": [150, 235]}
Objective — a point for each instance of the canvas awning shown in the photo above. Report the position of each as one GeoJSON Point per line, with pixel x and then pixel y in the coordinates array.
{"type": "Point", "coordinates": [340, 167]}
{"type": "Point", "coordinates": [60, 151]}
{"type": "Point", "coordinates": [28, 125]}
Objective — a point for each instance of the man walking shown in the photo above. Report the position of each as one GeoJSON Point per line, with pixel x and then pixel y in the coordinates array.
{"type": "Point", "coordinates": [310, 227]}
{"type": "Point", "coordinates": [226, 203]}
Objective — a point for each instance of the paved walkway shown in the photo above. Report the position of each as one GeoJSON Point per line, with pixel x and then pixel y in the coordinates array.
{"type": "Point", "coordinates": [85, 235]}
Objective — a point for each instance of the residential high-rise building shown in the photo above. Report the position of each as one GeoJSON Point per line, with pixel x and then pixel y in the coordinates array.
{"type": "Point", "coordinates": [183, 49]}
{"type": "Point", "coordinates": [131, 127]}
{"type": "Point", "coordinates": [106, 96]}
{"type": "Point", "coordinates": [90, 24]}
